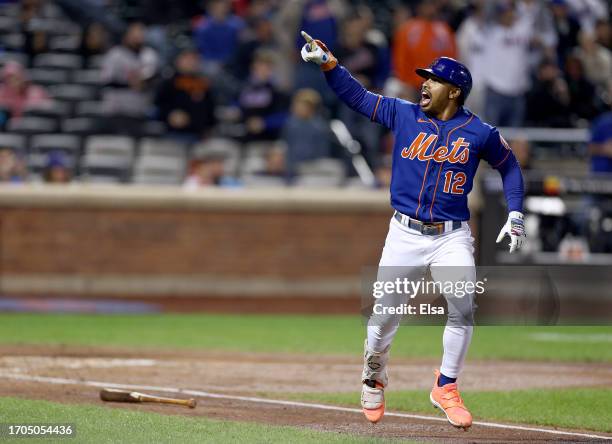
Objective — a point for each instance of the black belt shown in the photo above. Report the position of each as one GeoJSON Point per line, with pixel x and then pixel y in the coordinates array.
{"type": "Point", "coordinates": [427, 228]}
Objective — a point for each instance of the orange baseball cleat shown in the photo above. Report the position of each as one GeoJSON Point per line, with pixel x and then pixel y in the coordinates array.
{"type": "Point", "coordinates": [373, 400]}
{"type": "Point", "coordinates": [447, 399]}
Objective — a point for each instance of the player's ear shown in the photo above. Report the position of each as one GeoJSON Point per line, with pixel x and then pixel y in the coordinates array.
{"type": "Point", "coordinates": [454, 93]}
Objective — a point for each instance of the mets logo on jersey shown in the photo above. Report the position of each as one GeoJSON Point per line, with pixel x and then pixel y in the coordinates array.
{"type": "Point", "coordinates": [459, 152]}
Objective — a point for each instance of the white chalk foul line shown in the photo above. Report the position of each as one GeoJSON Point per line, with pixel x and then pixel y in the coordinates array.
{"type": "Point", "coordinates": [64, 381]}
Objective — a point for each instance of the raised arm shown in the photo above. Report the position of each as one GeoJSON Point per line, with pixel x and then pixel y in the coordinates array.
{"type": "Point", "coordinates": [377, 108]}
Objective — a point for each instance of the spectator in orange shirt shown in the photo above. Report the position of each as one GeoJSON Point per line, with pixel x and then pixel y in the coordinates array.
{"type": "Point", "coordinates": [419, 41]}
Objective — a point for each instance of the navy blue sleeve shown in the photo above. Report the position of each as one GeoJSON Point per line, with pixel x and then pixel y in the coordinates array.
{"type": "Point", "coordinates": [498, 154]}
{"type": "Point", "coordinates": [377, 108]}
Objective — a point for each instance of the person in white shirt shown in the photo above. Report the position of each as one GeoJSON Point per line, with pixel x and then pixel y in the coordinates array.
{"type": "Point", "coordinates": [506, 67]}
{"type": "Point", "coordinates": [471, 45]}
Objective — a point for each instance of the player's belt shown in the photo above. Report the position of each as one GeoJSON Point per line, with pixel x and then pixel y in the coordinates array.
{"type": "Point", "coordinates": [427, 228]}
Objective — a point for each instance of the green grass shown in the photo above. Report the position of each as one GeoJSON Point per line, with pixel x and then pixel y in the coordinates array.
{"type": "Point", "coordinates": [106, 425]}
{"type": "Point", "coordinates": [570, 408]}
{"type": "Point", "coordinates": [293, 333]}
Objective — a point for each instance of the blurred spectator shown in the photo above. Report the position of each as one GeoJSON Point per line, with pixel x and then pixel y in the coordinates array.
{"type": "Point", "coordinates": [185, 101]}
{"type": "Point", "coordinates": [359, 56]}
{"type": "Point", "coordinates": [306, 133]}
{"type": "Point", "coordinates": [167, 12]}
{"type": "Point", "coordinates": [383, 173]}
{"type": "Point", "coordinates": [603, 33]}
{"type": "Point", "coordinates": [208, 170]}
{"type": "Point", "coordinates": [263, 37]}
{"type": "Point", "coordinates": [583, 99]}
{"type": "Point", "coordinates": [471, 42]}
{"type": "Point", "coordinates": [94, 42]}
{"type": "Point", "coordinates": [128, 69]}
{"type": "Point", "coordinates": [548, 102]}
{"type": "Point", "coordinates": [17, 92]}
{"type": "Point", "coordinates": [539, 17]}
{"type": "Point", "coordinates": [56, 170]}
{"type": "Point", "coordinates": [506, 70]}
{"type": "Point", "coordinates": [262, 104]}
{"type": "Point", "coordinates": [588, 12]}
{"type": "Point", "coordinates": [36, 38]}
{"type": "Point", "coordinates": [320, 19]}
{"type": "Point", "coordinates": [419, 41]}
{"type": "Point", "coordinates": [12, 169]}
{"type": "Point", "coordinates": [216, 36]}
{"type": "Point", "coordinates": [275, 159]}
{"type": "Point", "coordinates": [567, 27]}
{"type": "Point", "coordinates": [596, 59]}
{"type": "Point", "coordinates": [521, 148]}
{"type": "Point", "coordinates": [600, 147]}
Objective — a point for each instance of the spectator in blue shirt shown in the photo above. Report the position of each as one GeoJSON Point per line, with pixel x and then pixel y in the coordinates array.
{"type": "Point", "coordinates": [216, 37]}
{"type": "Point", "coordinates": [601, 144]}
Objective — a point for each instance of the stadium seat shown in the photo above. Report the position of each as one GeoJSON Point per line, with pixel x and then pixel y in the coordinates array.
{"type": "Point", "coordinates": [162, 148]}
{"type": "Point", "coordinates": [58, 26]}
{"type": "Point", "coordinates": [38, 161]}
{"type": "Point", "coordinates": [153, 128]}
{"type": "Point", "coordinates": [9, 24]}
{"type": "Point", "coordinates": [47, 77]}
{"type": "Point", "coordinates": [118, 146]}
{"type": "Point", "coordinates": [65, 43]}
{"type": "Point", "coordinates": [58, 60]}
{"type": "Point", "coordinates": [160, 170]}
{"type": "Point", "coordinates": [87, 77]}
{"type": "Point", "coordinates": [10, 9]}
{"type": "Point", "coordinates": [32, 125]}
{"type": "Point", "coordinates": [257, 181]}
{"type": "Point", "coordinates": [12, 42]}
{"type": "Point", "coordinates": [90, 108]}
{"type": "Point", "coordinates": [83, 126]}
{"type": "Point", "coordinates": [95, 62]}
{"type": "Point", "coordinates": [67, 143]}
{"type": "Point", "coordinates": [53, 110]}
{"type": "Point", "coordinates": [72, 92]}
{"type": "Point", "coordinates": [16, 142]}
{"type": "Point", "coordinates": [321, 173]}
{"type": "Point", "coordinates": [6, 56]}
{"type": "Point", "coordinates": [226, 147]}
{"type": "Point", "coordinates": [105, 167]}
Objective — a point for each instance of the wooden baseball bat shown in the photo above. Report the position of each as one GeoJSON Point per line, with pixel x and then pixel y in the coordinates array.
{"type": "Point", "coordinates": [114, 395]}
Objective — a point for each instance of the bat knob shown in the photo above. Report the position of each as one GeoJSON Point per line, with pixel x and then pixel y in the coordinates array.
{"type": "Point", "coordinates": [192, 403]}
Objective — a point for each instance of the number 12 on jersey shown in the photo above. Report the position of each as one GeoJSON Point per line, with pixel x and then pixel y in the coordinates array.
{"type": "Point", "coordinates": [454, 181]}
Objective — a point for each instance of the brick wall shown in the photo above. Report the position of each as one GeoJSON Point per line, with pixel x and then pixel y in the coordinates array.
{"type": "Point", "coordinates": [68, 234]}
{"type": "Point", "coordinates": [89, 241]}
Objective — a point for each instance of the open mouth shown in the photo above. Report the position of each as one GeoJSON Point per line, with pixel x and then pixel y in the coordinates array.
{"type": "Point", "coordinates": [425, 98]}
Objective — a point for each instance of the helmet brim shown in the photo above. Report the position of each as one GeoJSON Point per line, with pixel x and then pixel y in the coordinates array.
{"type": "Point", "coordinates": [427, 73]}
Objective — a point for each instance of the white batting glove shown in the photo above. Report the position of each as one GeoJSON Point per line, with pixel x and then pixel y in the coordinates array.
{"type": "Point", "coordinates": [515, 229]}
{"type": "Point", "coordinates": [311, 52]}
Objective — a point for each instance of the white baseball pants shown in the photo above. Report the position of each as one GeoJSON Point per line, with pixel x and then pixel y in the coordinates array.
{"type": "Point", "coordinates": [409, 252]}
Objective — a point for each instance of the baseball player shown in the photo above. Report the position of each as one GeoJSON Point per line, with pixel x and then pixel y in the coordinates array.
{"type": "Point", "coordinates": [438, 146]}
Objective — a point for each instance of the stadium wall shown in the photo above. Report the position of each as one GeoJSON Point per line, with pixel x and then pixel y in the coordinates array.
{"type": "Point", "coordinates": [107, 241]}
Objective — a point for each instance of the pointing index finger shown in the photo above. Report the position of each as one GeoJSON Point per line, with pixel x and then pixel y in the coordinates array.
{"type": "Point", "coordinates": [308, 39]}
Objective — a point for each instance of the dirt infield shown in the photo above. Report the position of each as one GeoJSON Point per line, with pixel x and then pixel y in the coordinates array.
{"type": "Point", "coordinates": [27, 371]}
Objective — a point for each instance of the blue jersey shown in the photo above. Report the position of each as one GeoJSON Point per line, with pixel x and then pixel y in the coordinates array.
{"type": "Point", "coordinates": [434, 161]}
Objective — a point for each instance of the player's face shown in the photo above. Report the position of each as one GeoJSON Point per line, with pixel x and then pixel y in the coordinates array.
{"type": "Point", "coordinates": [435, 95]}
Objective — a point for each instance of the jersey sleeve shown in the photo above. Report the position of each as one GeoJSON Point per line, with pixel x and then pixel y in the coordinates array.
{"type": "Point", "coordinates": [498, 154]}
{"type": "Point", "coordinates": [377, 108]}
{"type": "Point", "coordinates": [496, 150]}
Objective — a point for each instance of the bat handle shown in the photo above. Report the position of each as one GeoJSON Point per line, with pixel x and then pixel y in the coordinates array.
{"type": "Point", "coordinates": [191, 403]}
